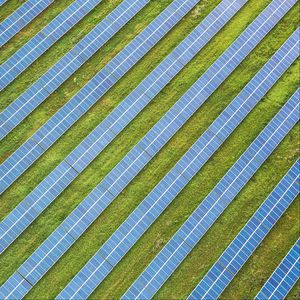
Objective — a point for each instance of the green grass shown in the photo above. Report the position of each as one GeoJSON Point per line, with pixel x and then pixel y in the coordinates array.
{"type": "Point", "coordinates": [274, 247]}
{"type": "Point", "coordinates": [7, 9]}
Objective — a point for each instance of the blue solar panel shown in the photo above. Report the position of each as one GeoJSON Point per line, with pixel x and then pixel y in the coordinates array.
{"type": "Point", "coordinates": [20, 18]}
{"type": "Point", "coordinates": [170, 257]}
{"type": "Point", "coordinates": [74, 224]}
{"type": "Point", "coordinates": [249, 238]}
{"type": "Point", "coordinates": [153, 205]}
{"type": "Point", "coordinates": [284, 277]}
{"type": "Point", "coordinates": [43, 40]}
{"type": "Point", "coordinates": [95, 88]}
{"type": "Point", "coordinates": [1, 3]}
{"type": "Point", "coordinates": [67, 65]}
{"type": "Point", "coordinates": [79, 159]}
{"type": "Point", "coordinates": [88, 210]}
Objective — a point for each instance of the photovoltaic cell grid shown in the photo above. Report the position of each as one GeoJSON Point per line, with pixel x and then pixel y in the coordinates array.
{"type": "Point", "coordinates": [63, 237]}
{"type": "Point", "coordinates": [67, 171]}
{"type": "Point", "coordinates": [58, 124]}
{"type": "Point", "coordinates": [249, 238]}
{"type": "Point", "coordinates": [284, 277]}
{"type": "Point", "coordinates": [62, 232]}
{"type": "Point", "coordinates": [170, 257]}
{"type": "Point", "coordinates": [67, 65]}
{"type": "Point", "coordinates": [2, 2]}
{"type": "Point", "coordinates": [153, 205]}
{"type": "Point", "coordinates": [43, 40]}
{"type": "Point", "coordinates": [90, 208]}
{"type": "Point", "coordinates": [20, 18]}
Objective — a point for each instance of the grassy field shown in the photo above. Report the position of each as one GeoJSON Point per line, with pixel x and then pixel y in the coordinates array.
{"type": "Point", "coordinates": [252, 276]}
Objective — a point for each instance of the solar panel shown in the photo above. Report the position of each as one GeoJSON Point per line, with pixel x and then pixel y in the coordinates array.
{"type": "Point", "coordinates": [1, 3]}
{"type": "Point", "coordinates": [58, 124]}
{"type": "Point", "coordinates": [249, 238]}
{"type": "Point", "coordinates": [20, 18]}
{"type": "Point", "coordinates": [43, 40]}
{"type": "Point", "coordinates": [170, 257]}
{"type": "Point", "coordinates": [19, 219]}
{"type": "Point", "coordinates": [285, 276]}
{"type": "Point", "coordinates": [92, 206]}
{"type": "Point", "coordinates": [153, 205]}
{"type": "Point", "coordinates": [67, 65]}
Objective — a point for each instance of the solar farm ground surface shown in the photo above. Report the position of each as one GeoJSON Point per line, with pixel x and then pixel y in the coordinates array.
{"type": "Point", "coordinates": [284, 234]}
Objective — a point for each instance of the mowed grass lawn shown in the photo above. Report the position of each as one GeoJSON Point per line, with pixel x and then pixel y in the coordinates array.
{"type": "Point", "coordinates": [259, 267]}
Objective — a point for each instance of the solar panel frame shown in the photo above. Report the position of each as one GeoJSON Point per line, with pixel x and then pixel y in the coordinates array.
{"type": "Point", "coordinates": [170, 257]}
{"type": "Point", "coordinates": [67, 65]}
{"type": "Point", "coordinates": [249, 238]}
{"type": "Point", "coordinates": [97, 87]}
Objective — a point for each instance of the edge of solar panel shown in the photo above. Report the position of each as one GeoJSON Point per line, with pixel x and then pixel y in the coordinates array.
{"type": "Point", "coordinates": [249, 238]}
{"type": "Point", "coordinates": [61, 121]}
{"type": "Point", "coordinates": [75, 161]}
{"type": "Point", "coordinates": [163, 261]}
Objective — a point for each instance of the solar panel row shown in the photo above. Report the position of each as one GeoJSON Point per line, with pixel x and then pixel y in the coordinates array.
{"type": "Point", "coordinates": [285, 276]}
{"type": "Point", "coordinates": [43, 40]}
{"type": "Point", "coordinates": [94, 272]}
{"type": "Point", "coordinates": [20, 218]}
{"type": "Point", "coordinates": [20, 18]}
{"type": "Point", "coordinates": [76, 223]}
{"type": "Point", "coordinates": [165, 21]}
{"type": "Point", "coordinates": [2, 2]}
{"type": "Point", "coordinates": [58, 124]}
{"type": "Point", "coordinates": [67, 65]}
{"type": "Point", "coordinates": [249, 238]}
{"type": "Point", "coordinates": [170, 257]}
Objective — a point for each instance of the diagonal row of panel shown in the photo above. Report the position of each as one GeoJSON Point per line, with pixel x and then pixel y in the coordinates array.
{"type": "Point", "coordinates": [67, 233]}
{"type": "Point", "coordinates": [20, 18]}
{"type": "Point", "coordinates": [169, 187]}
{"type": "Point", "coordinates": [286, 274]}
{"type": "Point", "coordinates": [20, 218]}
{"type": "Point", "coordinates": [67, 65]}
{"type": "Point", "coordinates": [181, 244]}
{"type": "Point", "coordinates": [43, 40]}
{"type": "Point", "coordinates": [249, 238]}
{"type": "Point", "coordinates": [58, 124]}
